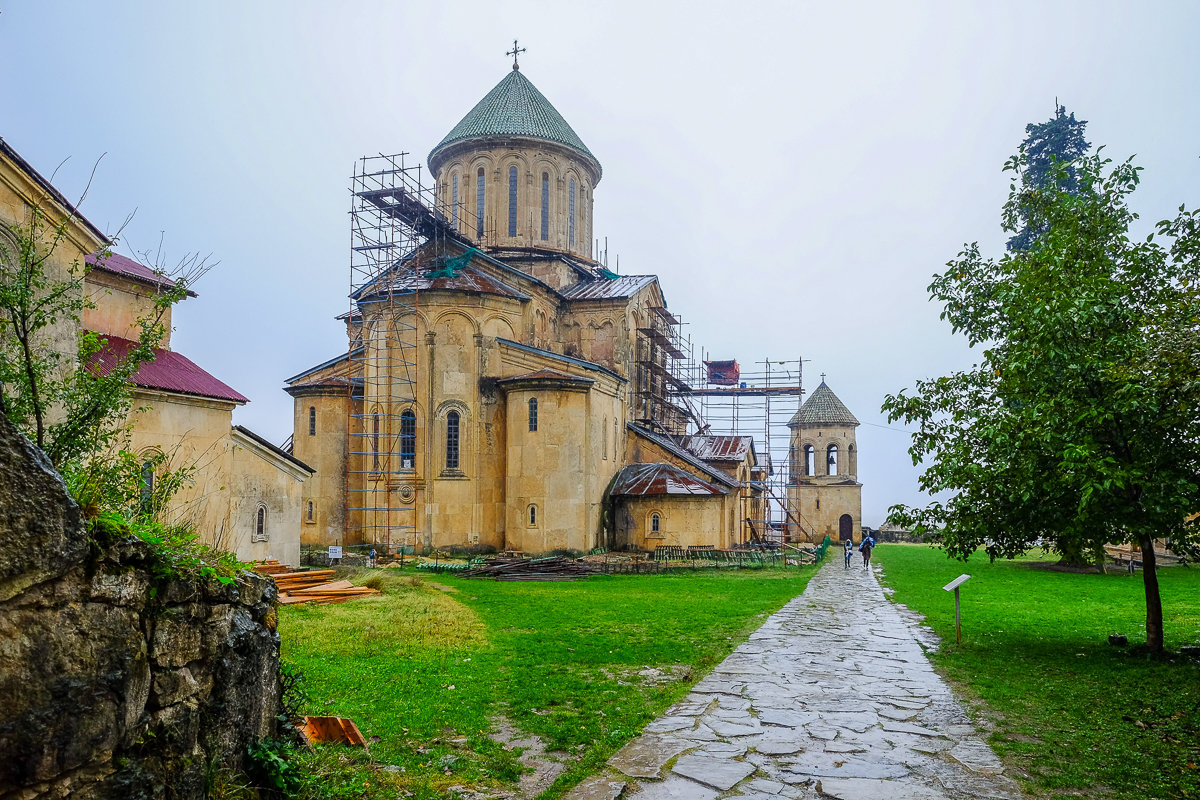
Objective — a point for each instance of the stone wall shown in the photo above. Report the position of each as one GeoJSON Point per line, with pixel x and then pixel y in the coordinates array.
{"type": "Point", "coordinates": [117, 681]}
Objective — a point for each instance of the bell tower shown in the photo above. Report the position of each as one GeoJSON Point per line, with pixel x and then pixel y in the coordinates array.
{"type": "Point", "coordinates": [824, 495]}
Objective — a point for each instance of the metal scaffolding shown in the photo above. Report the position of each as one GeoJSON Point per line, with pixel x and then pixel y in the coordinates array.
{"type": "Point", "coordinates": [758, 402]}
{"type": "Point", "coordinates": [399, 233]}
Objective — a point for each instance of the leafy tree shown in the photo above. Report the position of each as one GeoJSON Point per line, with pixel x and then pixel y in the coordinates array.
{"type": "Point", "coordinates": [1059, 140]}
{"type": "Point", "coordinates": [1080, 426]}
{"type": "Point", "coordinates": [70, 410]}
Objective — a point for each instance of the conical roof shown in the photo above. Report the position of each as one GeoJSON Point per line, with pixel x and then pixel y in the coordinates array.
{"type": "Point", "coordinates": [514, 108]}
{"type": "Point", "coordinates": [823, 408]}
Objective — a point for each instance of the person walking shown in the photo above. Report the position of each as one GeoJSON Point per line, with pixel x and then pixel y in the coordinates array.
{"type": "Point", "coordinates": [849, 547]}
{"type": "Point", "coordinates": [371, 558]}
{"type": "Point", "coordinates": [867, 545]}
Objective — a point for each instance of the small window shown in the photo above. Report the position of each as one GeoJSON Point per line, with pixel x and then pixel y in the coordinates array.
{"type": "Point", "coordinates": [571, 213]}
{"type": "Point", "coordinates": [654, 523]}
{"type": "Point", "coordinates": [452, 440]}
{"type": "Point", "coordinates": [408, 440]}
{"type": "Point", "coordinates": [545, 205]}
{"type": "Point", "coordinates": [533, 414]}
{"type": "Point", "coordinates": [454, 200]}
{"type": "Point", "coordinates": [533, 516]}
{"type": "Point", "coordinates": [479, 198]}
{"type": "Point", "coordinates": [147, 485]}
{"type": "Point", "coordinates": [260, 524]}
{"type": "Point", "coordinates": [309, 515]}
{"type": "Point", "coordinates": [512, 201]}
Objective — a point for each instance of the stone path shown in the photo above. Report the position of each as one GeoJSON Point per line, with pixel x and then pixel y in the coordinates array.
{"type": "Point", "coordinates": [824, 701]}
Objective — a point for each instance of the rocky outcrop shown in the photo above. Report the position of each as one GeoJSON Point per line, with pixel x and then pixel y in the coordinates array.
{"type": "Point", "coordinates": [118, 678]}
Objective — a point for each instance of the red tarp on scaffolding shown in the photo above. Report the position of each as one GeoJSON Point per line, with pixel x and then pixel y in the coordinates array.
{"type": "Point", "coordinates": [723, 373]}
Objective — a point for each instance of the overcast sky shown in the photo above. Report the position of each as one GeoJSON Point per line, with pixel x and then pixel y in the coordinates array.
{"type": "Point", "coordinates": [794, 172]}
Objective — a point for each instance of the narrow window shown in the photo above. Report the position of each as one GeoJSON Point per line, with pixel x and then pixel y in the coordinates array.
{"type": "Point", "coordinates": [533, 414]}
{"type": "Point", "coordinates": [571, 213]}
{"type": "Point", "coordinates": [479, 196]}
{"type": "Point", "coordinates": [310, 511]}
{"type": "Point", "coordinates": [545, 205]}
{"type": "Point", "coordinates": [454, 200]}
{"type": "Point", "coordinates": [375, 441]}
{"type": "Point", "coordinates": [512, 201]}
{"type": "Point", "coordinates": [654, 523]}
{"type": "Point", "coordinates": [604, 431]}
{"type": "Point", "coordinates": [452, 440]}
{"type": "Point", "coordinates": [147, 487]}
{"type": "Point", "coordinates": [408, 440]}
{"type": "Point", "coordinates": [312, 420]}
{"type": "Point", "coordinates": [831, 459]}
{"type": "Point", "coordinates": [260, 524]}
{"type": "Point", "coordinates": [533, 516]}
{"type": "Point", "coordinates": [810, 458]}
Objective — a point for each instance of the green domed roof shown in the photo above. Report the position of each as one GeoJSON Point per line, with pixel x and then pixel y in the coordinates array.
{"type": "Point", "coordinates": [823, 408]}
{"type": "Point", "coordinates": [514, 108]}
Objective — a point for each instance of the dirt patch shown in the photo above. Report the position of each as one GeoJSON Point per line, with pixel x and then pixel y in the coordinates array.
{"type": "Point", "coordinates": [441, 587]}
{"type": "Point", "coordinates": [547, 765]}
{"type": "Point", "coordinates": [647, 675]}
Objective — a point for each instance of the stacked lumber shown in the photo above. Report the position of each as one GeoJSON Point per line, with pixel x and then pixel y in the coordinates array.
{"type": "Point", "coordinates": [316, 586]}
{"type": "Point", "coordinates": [555, 568]}
{"type": "Point", "coordinates": [271, 567]}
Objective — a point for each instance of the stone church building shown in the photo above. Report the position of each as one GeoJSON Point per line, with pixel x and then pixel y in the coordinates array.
{"type": "Point", "coordinates": [536, 412]}
{"type": "Point", "coordinates": [824, 494]}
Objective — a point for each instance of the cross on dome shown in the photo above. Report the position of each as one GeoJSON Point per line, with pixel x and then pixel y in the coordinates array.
{"type": "Point", "coordinates": [514, 53]}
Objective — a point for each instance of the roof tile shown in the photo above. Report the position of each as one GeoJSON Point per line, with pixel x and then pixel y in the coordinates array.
{"type": "Point", "coordinates": [169, 371]}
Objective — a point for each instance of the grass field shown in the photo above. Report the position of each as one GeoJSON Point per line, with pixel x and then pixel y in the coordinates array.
{"type": "Point", "coordinates": [436, 663]}
{"type": "Point", "coordinates": [1079, 717]}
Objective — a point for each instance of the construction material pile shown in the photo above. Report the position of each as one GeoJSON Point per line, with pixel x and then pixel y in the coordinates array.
{"type": "Point", "coordinates": [554, 568]}
{"type": "Point", "coordinates": [311, 585]}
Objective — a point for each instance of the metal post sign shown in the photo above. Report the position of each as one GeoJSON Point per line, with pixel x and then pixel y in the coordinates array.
{"type": "Point", "coordinates": [952, 586]}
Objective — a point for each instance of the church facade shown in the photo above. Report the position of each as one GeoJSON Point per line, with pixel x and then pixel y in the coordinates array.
{"type": "Point", "coordinates": [535, 412]}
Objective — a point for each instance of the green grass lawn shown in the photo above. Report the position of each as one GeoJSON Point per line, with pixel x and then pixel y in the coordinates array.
{"type": "Point", "coordinates": [426, 672]}
{"type": "Point", "coordinates": [1077, 716]}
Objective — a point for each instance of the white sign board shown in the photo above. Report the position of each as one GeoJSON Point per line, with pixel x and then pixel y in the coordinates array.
{"type": "Point", "coordinates": [335, 551]}
{"type": "Point", "coordinates": [949, 587]}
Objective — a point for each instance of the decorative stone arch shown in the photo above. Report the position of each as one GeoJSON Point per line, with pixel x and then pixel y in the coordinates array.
{"type": "Point", "coordinates": [604, 341]}
{"type": "Point", "coordinates": [446, 316]}
{"type": "Point", "coordinates": [808, 458]}
{"type": "Point", "coordinates": [833, 455]}
{"type": "Point", "coordinates": [260, 523]}
{"type": "Point", "coordinates": [10, 249]}
{"type": "Point", "coordinates": [498, 319]}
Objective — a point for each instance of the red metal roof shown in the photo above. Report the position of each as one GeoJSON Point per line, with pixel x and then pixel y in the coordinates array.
{"type": "Point", "coordinates": [717, 448]}
{"type": "Point", "coordinates": [118, 264]}
{"type": "Point", "coordinates": [168, 372]}
{"type": "Point", "coordinates": [660, 479]}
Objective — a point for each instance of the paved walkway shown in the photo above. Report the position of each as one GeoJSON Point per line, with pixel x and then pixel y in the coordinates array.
{"type": "Point", "coordinates": [826, 700]}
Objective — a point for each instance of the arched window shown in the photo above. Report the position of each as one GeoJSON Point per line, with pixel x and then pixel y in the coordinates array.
{"type": "Point", "coordinates": [654, 523]}
{"type": "Point", "coordinates": [312, 420]}
{"type": "Point", "coordinates": [310, 511]}
{"type": "Point", "coordinates": [260, 524]}
{"type": "Point", "coordinates": [533, 414]}
{"type": "Point", "coordinates": [452, 440]}
{"type": "Point", "coordinates": [545, 205]}
{"type": "Point", "coordinates": [831, 460]}
{"type": "Point", "coordinates": [533, 516]}
{"type": "Point", "coordinates": [408, 440]}
{"type": "Point", "coordinates": [479, 196]}
{"type": "Point", "coordinates": [454, 200]}
{"type": "Point", "coordinates": [571, 213]}
{"type": "Point", "coordinates": [512, 201]}
{"type": "Point", "coordinates": [810, 458]}
{"type": "Point", "coordinates": [852, 463]}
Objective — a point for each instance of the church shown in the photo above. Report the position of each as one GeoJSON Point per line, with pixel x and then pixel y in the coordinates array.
{"type": "Point", "coordinates": [502, 388]}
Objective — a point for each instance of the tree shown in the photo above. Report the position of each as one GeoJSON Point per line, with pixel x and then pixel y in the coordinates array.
{"type": "Point", "coordinates": [69, 410]}
{"type": "Point", "coordinates": [1080, 426]}
{"type": "Point", "coordinates": [1059, 140]}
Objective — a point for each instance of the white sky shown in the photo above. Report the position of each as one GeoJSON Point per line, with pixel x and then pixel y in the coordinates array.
{"type": "Point", "coordinates": [794, 172]}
